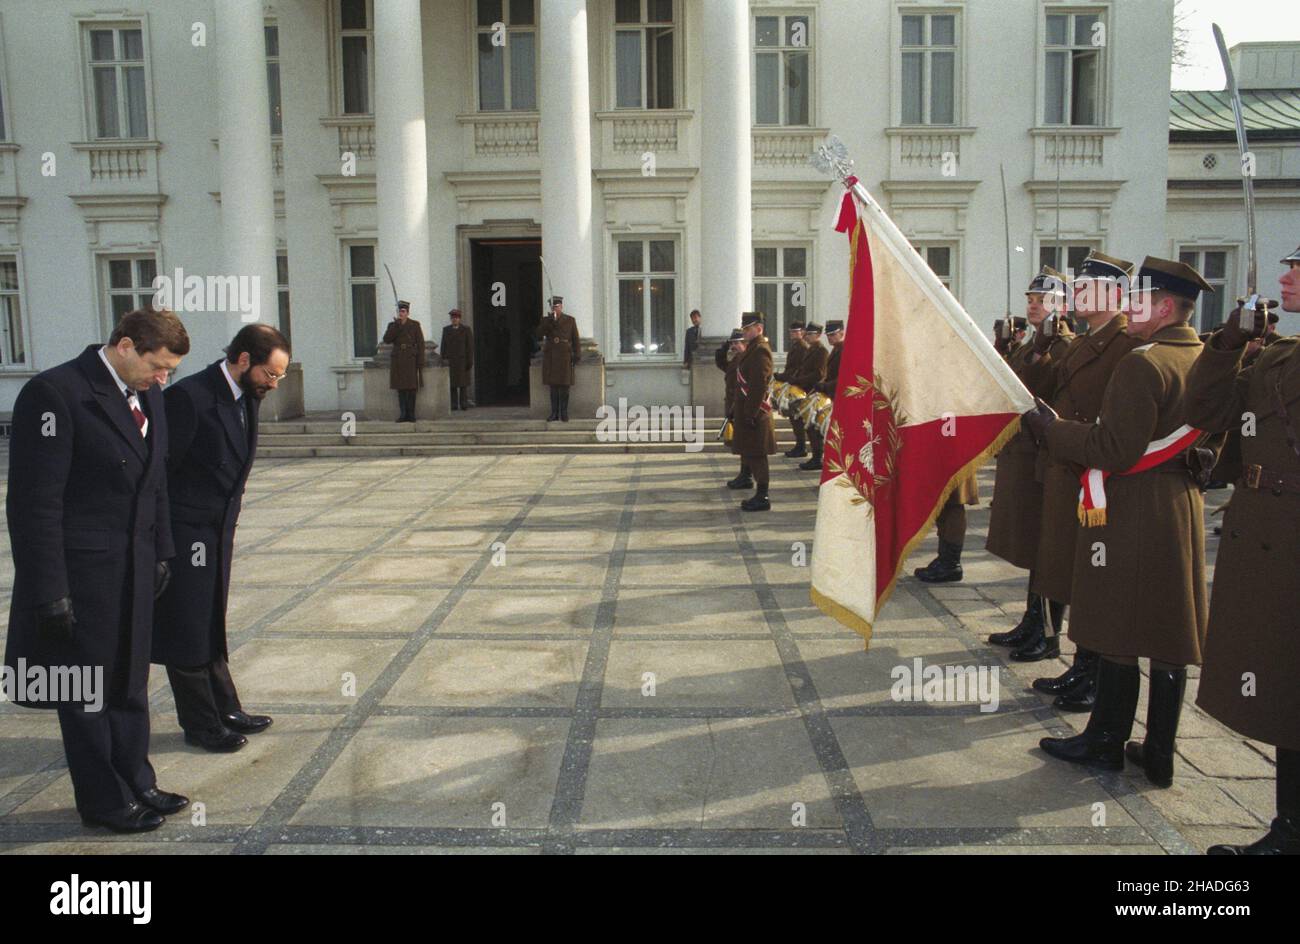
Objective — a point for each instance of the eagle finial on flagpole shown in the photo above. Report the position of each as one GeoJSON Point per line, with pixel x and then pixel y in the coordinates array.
{"type": "Point", "coordinates": [832, 157]}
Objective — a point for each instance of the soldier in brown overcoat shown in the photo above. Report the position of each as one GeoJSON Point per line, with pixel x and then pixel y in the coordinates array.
{"type": "Point", "coordinates": [807, 373]}
{"type": "Point", "coordinates": [831, 377]}
{"type": "Point", "coordinates": [458, 356]}
{"type": "Point", "coordinates": [726, 357]}
{"type": "Point", "coordinates": [561, 348]}
{"type": "Point", "coordinates": [1073, 383]}
{"type": "Point", "coordinates": [1252, 649]}
{"type": "Point", "coordinates": [1016, 516]}
{"type": "Point", "coordinates": [753, 437]}
{"type": "Point", "coordinates": [405, 370]}
{"type": "Point", "coordinates": [796, 347]}
{"type": "Point", "coordinates": [1139, 563]}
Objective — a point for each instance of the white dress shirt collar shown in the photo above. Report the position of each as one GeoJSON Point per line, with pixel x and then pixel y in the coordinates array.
{"type": "Point", "coordinates": [113, 373]}
{"type": "Point", "coordinates": [235, 390]}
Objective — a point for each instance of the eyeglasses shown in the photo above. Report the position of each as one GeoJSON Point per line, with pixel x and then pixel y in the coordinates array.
{"type": "Point", "coordinates": [270, 377]}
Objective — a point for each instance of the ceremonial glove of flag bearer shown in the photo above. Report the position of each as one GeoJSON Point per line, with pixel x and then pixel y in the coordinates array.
{"type": "Point", "coordinates": [1242, 327]}
{"type": "Point", "coordinates": [1046, 333]}
{"type": "Point", "coordinates": [1038, 419]}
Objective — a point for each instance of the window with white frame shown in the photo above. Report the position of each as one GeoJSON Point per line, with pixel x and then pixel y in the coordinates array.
{"type": "Point", "coordinates": [1064, 257]}
{"type": "Point", "coordinates": [929, 66]}
{"type": "Point", "coordinates": [645, 33]}
{"type": "Point", "coordinates": [1075, 43]}
{"type": "Point", "coordinates": [128, 284]}
{"type": "Point", "coordinates": [13, 346]}
{"type": "Point", "coordinates": [272, 39]}
{"type": "Point", "coordinates": [363, 299]}
{"type": "Point", "coordinates": [507, 55]}
{"type": "Point", "coordinates": [356, 56]}
{"type": "Point", "coordinates": [942, 260]}
{"type": "Point", "coordinates": [781, 289]}
{"type": "Point", "coordinates": [647, 296]}
{"type": "Point", "coordinates": [1214, 266]}
{"type": "Point", "coordinates": [115, 59]}
{"type": "Point", "coordinates": [282, 292]}
{"type": "Point", "coordinates": [783, 70]}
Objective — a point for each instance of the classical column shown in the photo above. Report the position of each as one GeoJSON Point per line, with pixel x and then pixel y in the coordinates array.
{"type": "Point", "coordinates": [725, 160]}
{"type": "Point", "coordinates": [401, 162]}
{"type": "Point", "coordinates": [565, 142]}
{"type": "Point", "coordinates": [247, 188]}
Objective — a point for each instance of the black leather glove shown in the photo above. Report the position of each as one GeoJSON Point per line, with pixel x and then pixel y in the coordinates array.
{"type": "Point", "coordinates": [1241, 328]}
{"type": "Point", "coordinates": [1047, 332]}
{"type": "Point", "coordinates": [162, 576]}
{"type": "Point", "coordinates": [1039, 419]}
{"type": "Point", "coordinates": [56, 620]}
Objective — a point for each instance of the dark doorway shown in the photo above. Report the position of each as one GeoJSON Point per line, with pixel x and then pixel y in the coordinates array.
{"type": "Point", "coordinates": [506, 275]}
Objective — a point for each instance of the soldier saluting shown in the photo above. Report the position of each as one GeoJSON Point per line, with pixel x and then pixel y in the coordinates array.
{"type": "Point", "coordinates": [1141, 507]}
{"type": "Point", "coordinates": [561, 348]}
{"type": "Point", "coordinates": [753, 438]}
{"type": "Point", "coordinates": [725, 357]}
{"type": "Point", "coordinates": [1252, 650]}
{"type": "Point", "coordinates": [1016, 518]}
{"type": "Point", "coordinates": [406, 369]}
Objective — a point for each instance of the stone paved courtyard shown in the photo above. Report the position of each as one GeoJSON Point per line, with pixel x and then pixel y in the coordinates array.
{"type": "Point", "coordinates": [459, 656]}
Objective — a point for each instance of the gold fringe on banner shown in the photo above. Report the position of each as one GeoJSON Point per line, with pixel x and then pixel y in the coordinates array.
{"type": "Point", "coordinates": [837, 611]}
{"type": "Point", "coordinates": [1091, 517]}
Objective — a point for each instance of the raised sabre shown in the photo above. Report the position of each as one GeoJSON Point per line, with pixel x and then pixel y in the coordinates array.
{"type": "Point", "coordinates": [1252, 301]}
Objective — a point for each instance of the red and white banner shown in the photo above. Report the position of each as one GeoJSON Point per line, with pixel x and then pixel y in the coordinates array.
{"type": "Point", "coordinates": [922, 401]}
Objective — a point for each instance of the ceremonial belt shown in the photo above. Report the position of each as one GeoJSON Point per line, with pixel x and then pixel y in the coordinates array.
{"type": "Point", "coordinates": [1260, 478]}
{"type": "Point", "coordinates": [1092, 495]}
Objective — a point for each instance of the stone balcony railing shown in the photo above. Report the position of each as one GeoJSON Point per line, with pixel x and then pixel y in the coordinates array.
{"type": "Point", "coordinates": [922, 152]}
{"type": "Point", "coordinates": [356, 134]}
{"type": "Point", "coordinates": [117, 161]}
{"type": "Point", "coordinates": [501, 133]}
{"type": "Point", "coordinates": [638, 132]}
{"type": "Point", "coordinates": [786, 147]}
{"type": "Point", "coordinates": [1070, 151]}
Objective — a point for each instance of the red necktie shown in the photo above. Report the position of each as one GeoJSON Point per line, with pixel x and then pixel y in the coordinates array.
{"type": "Point", "coordinates": [134, 403]}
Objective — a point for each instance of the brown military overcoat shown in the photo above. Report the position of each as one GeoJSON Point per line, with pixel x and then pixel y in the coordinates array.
{"type": "Point", "coordinates": [792, 359]}
{"type": "Point", "coordinates": [753, 433]}
{"type": "Point", "coordinates": [812, 368]}
{"type": "Point", "coordinates": [1016, 514]}
{"type": "Point", "coordinates": [561, 348]}
{"type": "Point", "coordinates": [1139, 579]}
{"type": "Point", "coordinates": [1252, 649]}
{"type": "Point", "coordinates": [1073, 384]}
{"type": "Point", "coordinates": [458, 353]}
{"type": "Point", "coordinates": [406, 370]}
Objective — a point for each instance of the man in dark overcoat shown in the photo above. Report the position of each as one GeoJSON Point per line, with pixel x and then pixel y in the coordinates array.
{"type": "Point", "coordinates": [753, 436]}
{"type": "Point", "coordinates": [406, 369]}
{"type": "Point", "coordinates": [212, 418]}
{"type": "Point", "coordinates": [89, 530]}
{"type": "Point", "coordinates": [561, 349]}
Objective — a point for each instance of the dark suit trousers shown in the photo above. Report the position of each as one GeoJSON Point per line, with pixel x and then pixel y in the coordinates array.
{"type": "Point", "coordinates": [108, 753]}
{"type": "Point", "coordinates": [203, 694]}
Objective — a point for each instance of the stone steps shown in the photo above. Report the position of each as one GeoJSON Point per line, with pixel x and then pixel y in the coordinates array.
{"type": "Point", "coordinates": [319, 438]}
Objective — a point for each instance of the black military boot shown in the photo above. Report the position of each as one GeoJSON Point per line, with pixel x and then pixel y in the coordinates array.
{"type": "Point", "coordinates": [743, 480]}
{"type": "Point", "coordinates": [946, 568]}
{"type": "Point", "coordinates": [1155, 755]}
{"type": "Point", "coordinates": [564, 404]}
{"type": "Point", "coordinates": [555, 405]}
{"type": "Point", "coordinates": [1017, 636]}
{"type": "Point", "coordinates": [1102, 742]}
{"type": "Point", "coordinates": [1283, 836]}
{"type": "Point", "coordinates": [1081, 668]}
{"type": "Point", "coordinates": [1082, 696]}
{"type": "Point", "coordinates": [814, 464]}
{"type": "Point", "coordinates": [758, 502]}
{"type": "Point", "coordinates": [800, 446]}
{"type": "Point", "coordinates": [1046, 643]}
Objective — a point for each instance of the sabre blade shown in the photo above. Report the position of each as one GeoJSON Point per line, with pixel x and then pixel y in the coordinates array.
{"type": "Point", "coordinates": [1248, 184]}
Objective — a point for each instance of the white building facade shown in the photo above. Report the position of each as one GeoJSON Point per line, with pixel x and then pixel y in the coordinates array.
{"type": "Point", "coordinates": [654, 152]}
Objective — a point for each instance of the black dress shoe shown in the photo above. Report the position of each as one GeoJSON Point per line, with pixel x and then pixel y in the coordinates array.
{"type": "Point", "coordinates": [757, 503]}
{"type": "Point", "coordinates": [160, 801]}
{"type": "Point", "coordinates": [245, 723]}
{"type": "Point", "coordinates": [1282, 838]}
{"type": "Point", "coordinates": [812, 465]}
{"type": "Point", "coordinates": [741, 481]}
{"type": "Point", "coordinates": [553, 418]}
{"type": "Point", "coordinates": [218, 742]}
{"type": "Point", "coordinates": [135, 818]}
{"type": "Point", "coordinates": [1068, 680]}
{"type": "Point", "coordinates": [798, 452]}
